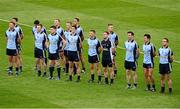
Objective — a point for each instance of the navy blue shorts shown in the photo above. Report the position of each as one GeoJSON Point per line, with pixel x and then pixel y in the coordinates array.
{"type": "Point", "coordinates": [66, 53]}
{"type": "Point", "coordinates": [93, 59]}
{"type": "Point", "coordinates": [73, 56]}
{"type": "Point", "coordinates": [53, 56]}
{"type": "Point", "coordinates": [11, 52]}
{"type": "Point", "coordinates": [130, 65]}
{"type": "Point", "coordinates": [107, 62]}
{"type": "Point", "coordinates": [147, 66]}
{"type": "Point", "coordinates": [165, 68]}
{"type": "Point", "coordinates": [38, 53]}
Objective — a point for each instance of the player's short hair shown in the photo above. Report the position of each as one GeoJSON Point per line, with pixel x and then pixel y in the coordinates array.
{"type": "Point", "coordinates": [166, 39]}
{"type": "Point", "coordinates": [77, 18]}
{"type": "Point", "coordinates": [74, 26]}
{"type": "Point", "coordinates": [36, 22]}
{"type": "Point", "coordinates": [106, 32]}
{"type": "Point", "coordinates": [40, 25]}
{"type": "Point", "coordinates": [110, 24]}
{"type": "Point", "coordinates": [58, 20]}
{"type": "Point", "coordinates": [15, 18]}
{"type": "Point", "coordinates": [54, 27]}
{"type": "Point", "coordinates": [94, 31]}
{"type": "Point", "coordinates": [12, 23]}
{"type": "Point", "coordinates": [69, 22]}
{"type": "Point", "coordinates": [148, 36]}
{"type": "Point", "coordinates": [130, 32]}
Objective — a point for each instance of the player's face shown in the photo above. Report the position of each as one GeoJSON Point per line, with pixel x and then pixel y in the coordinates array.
{"type": "Point", "coordinates": [146, 39]}
{"type": "Point", "coordinates": [110, 28]}
{"type": "Point", "coordinates": [105, 35]}
{"type": "Point", "coordinates": [91, 34]}
{"type": "Point", "coordinates": [52, 30]}
{"type": "Point", "coordinates": [130, 36]}
{"type": "Point", "coordinates": [11, 25]}
{"type": "Point", "coordinates": [75, 22]}
{"type": "Point", "coordinates": [68, 25]}
{"type": "Point", "coordinates": [13, 20]}
{"type": "Point", "coordinates": [73, 30]}
{"type": "Point", "coordinates": [56, 23]}
{"type": "Point", "coordinates": [39, 28]}
{"type": "Point", "coordinates": [164, 42]}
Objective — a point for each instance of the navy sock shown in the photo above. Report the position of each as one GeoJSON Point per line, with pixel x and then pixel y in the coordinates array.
{"type": "Point", "coordinates": [39, 72]}
{"type": "Point", "coordinates": [67, 67]}
{"type": "Point", "coordinates": [148, 86]}
{"type": "Point", "coordinates": [51, 69]}
{"type": "Point", "coordinates": [112, 81]}
{"type": "Point", "coordinates": [106, 80]}
{"type": "Point", "coordinates": [11, 68]}
{"type": "Point", "coordinates": [162, 89]}
{"type": "Point", "coordinates": [59, 71]}
{"type": "Point", "coordinates": [170, 90]}
{"type": "Point", "coordinates": [92, 77]}
{"type": "Point", "coordinates": [115, 72]}
{"type": "Point", "coordinates": [70, 77]}
{"type": "Point", "coordinates": [17, 69]}
{"type": "Point", "coordinates": [78, 77]}
{"type": "Point", "coordinates": [99, 78]}
{"type": "Point", "coordinates": [75, 69]}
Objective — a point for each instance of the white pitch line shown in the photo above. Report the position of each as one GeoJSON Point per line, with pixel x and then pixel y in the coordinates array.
{"type": "Point", "coordinates": [86, 39]}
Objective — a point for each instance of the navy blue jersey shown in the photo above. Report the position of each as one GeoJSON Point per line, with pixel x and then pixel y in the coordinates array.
{"type": "Point", "coordinates": [107, 51]}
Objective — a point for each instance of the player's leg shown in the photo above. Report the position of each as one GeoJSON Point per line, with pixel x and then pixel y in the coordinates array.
{"type": "Point", "coordinates": [162, 83]}
{"type": "Point", "coordinates": [128, 78]}
{"type": "Point", "coordinates": [151, 78]}
{"type": "Point", "coordinates": [58, 69]}
{"type": "Point", "coordinates": [169, 83]}
{"type": "Point", "coordinates": [77, 64]}
{"type": "Point", "coordinates": [19, 57]}
{"type": "Point", "coordinates": [91, 63]}
{"type": "Point", "coordinates": [162, 77]}
{"type": "Point", "coordinates": [146, 78]}
{"type": "Point", "coordinates": [71, 69]}
{"type": "Point", "coordinates": [44, 64]}
{"type": "Point", "coordinates": [82, 62]}
{"type": "Point", "coordinates": [62, 60]}
{"type": "Point", "coordinates": [51, 68]}
{"type": "Point", "coordinates": [66, 64]}
{"type": "Point", "coordinates": [98, 67]}
{"type": "Point", "coordinates": [10, 60]}
{"type": "Point", "coordinates": [17, 64]}
{"type": "Point", "coordinates": [135, 76]}
{"type": "Point", "coordinates": [91, 72]}
{"type": "Point", "coordinates": [106, 74]}
{"type": "Point", "coordinates": [38, 61]}
{"type": "Point", "coordinates": [111, 70]}
{"type": "Point", "coordinates": [114, 66]}
{"type": "Point", "coordinates": [135, 79]}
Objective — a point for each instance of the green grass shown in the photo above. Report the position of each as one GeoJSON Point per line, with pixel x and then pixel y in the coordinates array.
{"type": "Point", "coordinates": [159, 18]}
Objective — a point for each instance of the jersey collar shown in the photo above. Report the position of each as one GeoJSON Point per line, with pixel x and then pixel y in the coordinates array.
{"type": "Point", "coordinates": [131, 41]}
{"type": "Point", "coordinates": [93, 38]}
{"type": "Point", "coordinates": [11, 30]}
{"type": "Point", "coordinates": [147, 43]}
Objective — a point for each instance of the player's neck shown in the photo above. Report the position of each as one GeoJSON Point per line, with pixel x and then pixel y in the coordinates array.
{"type": "Point", "coordinates": [165, 46]}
